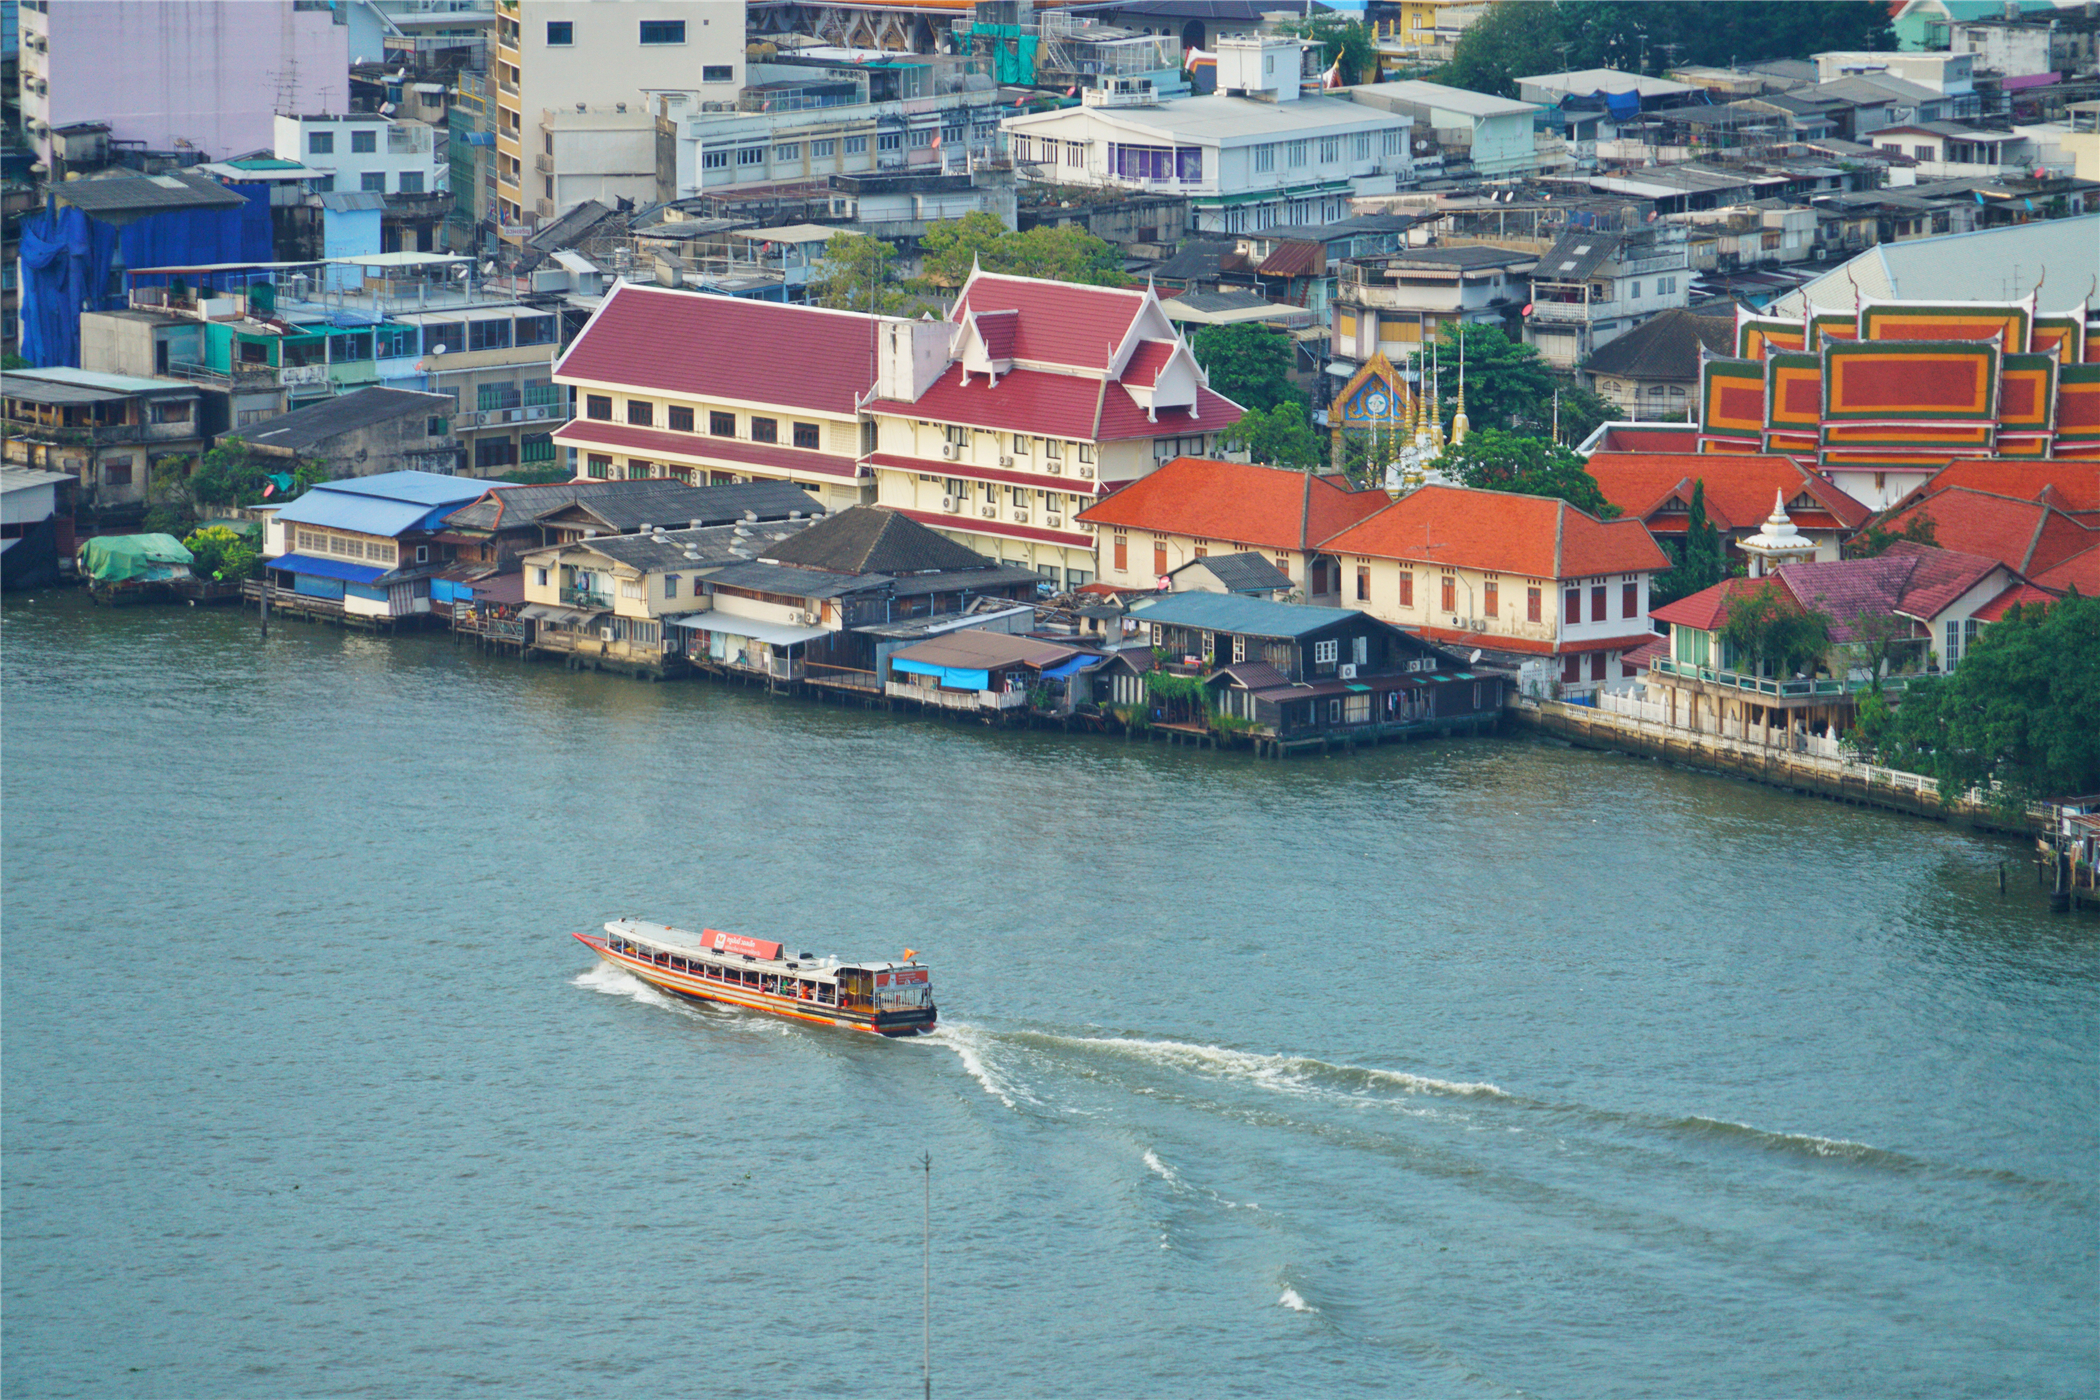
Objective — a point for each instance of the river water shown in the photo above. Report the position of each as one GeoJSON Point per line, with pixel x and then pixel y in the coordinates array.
{"type": "Point", "coordinates": [1474, 1068]}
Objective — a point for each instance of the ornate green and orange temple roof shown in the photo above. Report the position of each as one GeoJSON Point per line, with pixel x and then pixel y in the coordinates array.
{"type": "Point", "coordinates": [1893, 384]}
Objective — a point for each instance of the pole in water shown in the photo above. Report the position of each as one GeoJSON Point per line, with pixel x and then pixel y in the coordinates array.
{"type": "Point", "coordinates": [926, 1303]}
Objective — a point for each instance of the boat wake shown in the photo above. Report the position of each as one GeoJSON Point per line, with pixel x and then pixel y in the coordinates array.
{"type": "Point", "coordinates": [1290, 1074]}
{"type": "Point", "coordinates": [971, 1045]}
{"type": "Point", "coordinates": [603, 977]}
{"type": "Point", "coordinates": [1295, 1301]}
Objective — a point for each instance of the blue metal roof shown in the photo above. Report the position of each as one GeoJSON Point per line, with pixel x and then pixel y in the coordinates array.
{"type": "Point", "coordinates": [326, 568]}
{"type": "Point", "coordinates": [1077, 663]}
{"type": "Point", "coordinates": [1229, 612]}
{"type": "Point", "coordinates": [425, 488]}
{"type": "Point", "coordinates": [340, 510]}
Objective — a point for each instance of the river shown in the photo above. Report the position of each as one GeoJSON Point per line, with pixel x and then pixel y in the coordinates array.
{"type": "Point", "coordinates": [1468, 1068]}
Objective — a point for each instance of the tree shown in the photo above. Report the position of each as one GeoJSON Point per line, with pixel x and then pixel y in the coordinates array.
{"type": "Point", "coordinates": [1877, 537]}
{"type": "Point", "coordinates": [949, 249]}
{"type": "Point", "coordinates": [1701, 558]}
{"type": "Point", "coordinates": [1063, 254]}
{"type": "Point", "coordinates": [220, 553]}
{"type": "Point", "coordinates": [1768, 628]}
{"type": "Point", "coordinates": [2019, 717]}
{"type": "Point", "coordinates": [1281, 437]}
{"type": "Point", "coordinates": [1340, 39]}
{"type": "Point", "coordinates": [1498, 461]}
{"type": "Point", "coordinates": [1507, 385]}
{"type": "Point", "coordinates": [1581, 413]}
{"type": "Point", "coordinates": [1504, 44]}
{"type": "Point", "coordinates": [856, 273]}
{"type": "Point", "coordinates": [1247, 363]}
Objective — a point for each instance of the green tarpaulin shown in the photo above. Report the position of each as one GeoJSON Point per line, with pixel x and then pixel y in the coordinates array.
{"type": "Point", "coordinates": [116, 558]}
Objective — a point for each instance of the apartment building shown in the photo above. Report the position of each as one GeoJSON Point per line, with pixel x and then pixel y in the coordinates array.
{"type": "Point", "coordinates": [1594, 285]}
{"type": "Point", "coordinates": [366, 152]}
{"type": "Point", "coordinates": [579, 85]}
{"type": "Point", "coordinates": [204, 75]}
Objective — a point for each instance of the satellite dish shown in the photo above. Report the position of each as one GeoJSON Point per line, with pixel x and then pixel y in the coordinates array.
{"type": "Point", "coordinates": [1474, 657]}
{"type": "Point", "coordinates": [437, 349]}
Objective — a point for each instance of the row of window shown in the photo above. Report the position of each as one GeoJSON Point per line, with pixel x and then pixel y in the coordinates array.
{"type": "Point", "coordinates": [346, 546]}
{"type": "Point", "coordinates": [964, 439]}
{"type": "Point", "coordinates": [679, 419]}
{"type": "Point", "coordinates": [1329, 149]}
{"type": "Point", "coordinates": [1020, 497]}
{"type": "Point", "coordinates": [655, 33]}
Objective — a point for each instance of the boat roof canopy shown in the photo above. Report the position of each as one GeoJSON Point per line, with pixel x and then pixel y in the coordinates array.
{"type": "Point", "coordinates": [689, 942]}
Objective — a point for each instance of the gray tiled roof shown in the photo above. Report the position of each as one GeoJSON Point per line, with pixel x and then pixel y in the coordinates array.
{"type": "Point", "coordinates": [1665, 347]}
{"type": "Point", "coordinates": [718, 547]}
{"type": "Point", "coordinates": [1576, 254]}
{"type": "Point", "coordinates": [871, 540]}
{"type": "Point", "coordinates": [119, 199]}
{"type": "Point", "coordinates": [317, 422]}
{"type": "Point", "coordinates": [629, 505]}
{"type": "Point", "coordinates": [792, 582]}
{"type": "Point", "coordinates": [1241, 573]}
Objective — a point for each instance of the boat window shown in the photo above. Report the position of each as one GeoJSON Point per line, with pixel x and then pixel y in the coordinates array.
{"type": "Point", "coordinates": [678, 963]}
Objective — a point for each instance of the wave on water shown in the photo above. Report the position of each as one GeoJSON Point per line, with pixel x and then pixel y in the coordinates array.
{"type": "Point", "coordinates": [602, 976]}
{"type": "Point", "coordinates": [1295, 1301]}
{"type": "Point", "coordinates": [1280, 1073]}
{"type": "Point", "coordinates": [1160, 1169]}
{"type": "Point", "coordinates": [969, 1044]}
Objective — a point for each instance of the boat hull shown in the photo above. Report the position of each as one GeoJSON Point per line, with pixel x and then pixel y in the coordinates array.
{"type": "Point", "coordinates": [692, 988]}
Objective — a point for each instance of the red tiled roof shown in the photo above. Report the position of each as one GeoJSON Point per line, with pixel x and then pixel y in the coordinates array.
{"type": "Point", "coordinates": [689, 343]}
{"type": "Point", "coordinates": [2081, 570]}
{"type": "Point", "coordinates": [1537, 646]}
{"type": "Point", "coordinates": [2019, 594]}
{"type": "Point", "coordinates": [1739, 489]}
{"type": "Point", "coordinates": [1647, 652]}
{"type": "Point", "coordinates": [1536, 536]}
{"type": "Point", "coordinates": [1057, 405]}
{"type": "Point", "coordinates": [1061, 323]}
{"type": "Point", "coordinates": [996, 330]}
{"type": "Point", "coordinates": [1707, 609]}
{"type": "Point", "coordinates": [1236, 503]}
{"type": "Point", "coordinates": [2027, 536]}
{"type": "Point", "coordinates": [1147, 361]}
{"type": "Point", "coordinates": [656, 444]}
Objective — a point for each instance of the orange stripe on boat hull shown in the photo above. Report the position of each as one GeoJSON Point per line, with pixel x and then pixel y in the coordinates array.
{"type": "Point", "coordinates": [667, 981]}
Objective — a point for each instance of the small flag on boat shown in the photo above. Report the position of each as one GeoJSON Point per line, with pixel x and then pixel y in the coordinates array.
{"type": "Point", "coordinates": [910, 953]}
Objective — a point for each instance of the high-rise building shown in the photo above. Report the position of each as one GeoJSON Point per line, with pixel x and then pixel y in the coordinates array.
{"type": "Point", "coordinates": [203, 75]}
{"type": "Point", "coordinates": [579, 85]}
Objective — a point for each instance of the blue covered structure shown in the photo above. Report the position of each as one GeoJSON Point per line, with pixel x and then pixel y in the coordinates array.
{"type": "Point", "coordinates": [343, 557]}
{"type": "Point", "coordinates": [73, 248]}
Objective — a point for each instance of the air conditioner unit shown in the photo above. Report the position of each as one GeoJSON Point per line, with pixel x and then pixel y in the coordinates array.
{"type": "Point", "coordinates": [513, 415]}
{"type": "Point", "coordinates": [1006, 461]}
{"type": "Point", "coordinates": [1020, 517]}
{"type": "Point", "coordinates": [1458, 622]}
{"type": "Point", "coordinates": [605, 634]}
{"type": "Point", "coordinates": [1086, 473]}
{"type": "Point", "coordinates": [989, 512]}
{"type": "Point", "coordinates": [1480, 624]}
{"type": "Point", "coordinates": [948, 504]}
{"type": "Point", "coordinates": [948, 451]}
{"type": "Point", "coordinates": [1055, 522]}
{"type": "Point", "coordinates": [535, 414]}
{"type": "Point", "coordinates": [1087, 525]}
{"type": "Point", "coordinates": [1053, 468]}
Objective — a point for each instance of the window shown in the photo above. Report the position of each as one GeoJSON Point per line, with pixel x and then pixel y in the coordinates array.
{"type": "Point", "coordinates": [663, 31]}
{"type": "Point", "coordinates": [721, 424]}
{"type": "Point", "coordinates": [1363, 584]}
{"type": "Point", "coordinates": [670, 585]}
{"type": "Point", "coordinates": [1296, 152]}
{"type": "Point", "coordinates": [560, 33]}
{"type": "Point", "coordinates": [679, 420]}
{"type": "Point", "coordinates": [1330, 149]}
{"type": "Point", "coordinates": [1600, 606]}
{"type": "Point", "coordinates": [886, 141]}
{"type": "Point", "coordinates": [717, 73]}
{"type": "Point", "coordinates": [958, 437]}
{"type": "Point", "coordinates": [751, 155]}
{"type": "Point", "coordinates": [1395, 142]}
{"type": "Point", "coordinates": [320, 143]}
{"type": "Point", "coordinates": [1665, 285]}
{"type": "Point", "coordinates": [1491, 599]}
{"type": "Point", "coordinates": [1448, 594]}
{"type": "Point", "coordinates": [1532, 604]}
{"type": "Point", "coordinates": [372, 181]}
{"type": "Point", "coordinates": [1630, 600]}
{"type": "Point", "coordinates": [714, 160]}
{"type": "Point", "coordinates": [809, 436]}
{"type": "Point", "coordinates": [1571, 667]}
{"type": "Point", "coordinates": [765, 430]}
{"type": "Point", "coordinates": [638, 470]}
{"type": "Point", "coordinates": [488, 335]}
{"type": "Point", "coordinates": [1159, 556]}
{"type": "Point", "coordinates": [1407, 588]}
{"type": "Point", "coordinates": [178, 412]}
{"type": "Point", "coordinates": [788, 150]}
{"type": "Point", "coordinates": [540, 577]}
{"type": "Point", "coordinates": [1075, 153]}
{"type": "Point", "coordinates": [325, 185]}
{"type": "Point", "coordinates": [922, 138]}
{"type": "Point", "coordinates": [1020, 444]}
{"type": "Point", "coordinates": [1264, 158]}
{"type": "Point", "coordinates": [1362, 141]}
{"type": "Point", "coordinates": [433, 427]}
{"type": "Point", "coordinates": [598, 406]}
{"type": "Point", "coordinates": [856, 145]}
{"type": "Point", "coordinates": [1122, 554]}
{"type": "Point", "coordinates": [823, 150]}
{"type": "Point", "coordinates": [116, 471]}
{"type": "Point", "coordinates": [491, 452]}
{"type": "Point", "coordinates": [1573, 599]}
{"type": "Point", "coordinates": [1086, 452]}
{"type": "Point", "coordinates": [411, 182]}
{"type": "Point", "coordinates": [1633, 290]}
{"type": "Point", "coordinates": [1053, 449]}
{"type": "Point", "coordinates": [364, 142]}
{"type": "Point", "coordinates": [1324, 653]}
{"type": "Point", "coordinates": [599, 465]}
{"type": "Point", "coordinates": [630, 588]}
{"type": "Point", "coordinates": [641, 412]}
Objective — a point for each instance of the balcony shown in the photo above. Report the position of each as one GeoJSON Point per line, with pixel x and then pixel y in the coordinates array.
{"type": "Point", "coordinates": [1819, 688]}
{"type": "Point", "coordinates": [585, 598]}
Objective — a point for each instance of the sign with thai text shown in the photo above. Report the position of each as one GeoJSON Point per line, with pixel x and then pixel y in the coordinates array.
{"type": "Point", "coordinates": [722, 942]}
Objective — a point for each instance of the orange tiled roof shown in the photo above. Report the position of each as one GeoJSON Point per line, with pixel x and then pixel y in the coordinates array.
{"type": "Point", "coordinates": [1738, 488]}
{"type": "Point", "coordinates": [2030, 536]}
{"type": "Point", "coordinates": [2080, 571]}
{"type": "Point", "coordinates": [1536, 536]}
{"type": "Point", "coordinates": [1707, 609]}
{"type": "Point", "coordinates": [2068, 485]}
{"type": "Point", "coordinates": [1235, 502]}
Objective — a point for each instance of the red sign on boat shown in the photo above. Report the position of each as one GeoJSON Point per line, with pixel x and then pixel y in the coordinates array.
{"type": "Point", "coordinates": [738, 943]}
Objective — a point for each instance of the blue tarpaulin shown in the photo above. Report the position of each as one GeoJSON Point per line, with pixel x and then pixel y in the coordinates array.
{"type": "Point", "coordinates": [951, 677]}
{"type": "Point", "coordinates": [1076, 664]}
{"type": "Point", "coordinates": [326, 568]}
{"type": "Point", "coordinates": [1622, 104]}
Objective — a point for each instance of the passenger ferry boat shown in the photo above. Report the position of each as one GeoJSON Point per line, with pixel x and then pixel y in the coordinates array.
{"type": "Point", "coordinates": [886, 998]}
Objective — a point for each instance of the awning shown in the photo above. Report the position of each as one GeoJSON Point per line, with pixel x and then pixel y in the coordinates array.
{"type": "Point", "coordinates": [325, 568]}
{"type": "Point", "coordinates": [547, 612]}
{"type": "Point", "coordinates": [1076, 664]}
{"type": "Point", "coordinates": [756, 629]}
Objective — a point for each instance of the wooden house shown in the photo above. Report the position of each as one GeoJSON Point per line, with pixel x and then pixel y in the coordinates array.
{"type": "Point", "coordinates": [987, 673]}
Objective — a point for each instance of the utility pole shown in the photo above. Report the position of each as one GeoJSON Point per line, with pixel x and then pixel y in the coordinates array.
{"type": "Point", "coordinates": [926, 1297]}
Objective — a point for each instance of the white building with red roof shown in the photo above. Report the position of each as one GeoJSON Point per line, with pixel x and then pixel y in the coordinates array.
{"type": "Point", "coordinates": [1000, 425]}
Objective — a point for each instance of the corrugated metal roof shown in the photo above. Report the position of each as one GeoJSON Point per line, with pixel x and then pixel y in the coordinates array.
{"type": "Point", "coordinates": [1229, 612]}
{"type": "Point", "coordinates": [423, 488]}
{"type": "Point", "coordinates": [363, 515]}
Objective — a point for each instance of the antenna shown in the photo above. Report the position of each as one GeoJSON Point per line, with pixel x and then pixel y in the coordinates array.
{"type": "Point", "coordinates": [926, 1303]}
